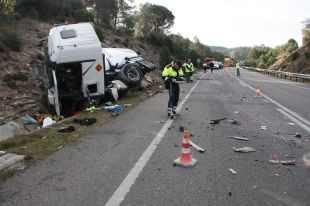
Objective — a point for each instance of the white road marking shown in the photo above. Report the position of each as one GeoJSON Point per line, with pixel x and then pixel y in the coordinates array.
{"type": "Point", "coordinates": [121, 192]}
{"type": "Point", "coordinates": [300, 118]}
{"type": "Point", "coordinates": [242, 84]}
{"type": "Point", "coordinates": [299, 123]}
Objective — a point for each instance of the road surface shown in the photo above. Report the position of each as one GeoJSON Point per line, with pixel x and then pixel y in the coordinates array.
{"type": "Point", "coordinates": [129, 161]}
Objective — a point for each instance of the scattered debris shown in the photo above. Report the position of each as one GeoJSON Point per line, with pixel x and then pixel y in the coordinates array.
{"type": "Point", "coordinates": [43, 137]}
{"type": "Point", "coordinates": [284, 162]}
{"type": "Point", "coordinates": [127, 105]}
{"type": "Point", "coordinates": [263, 127]}
{"type": "Point", "coordinates": [216, 121]}
{"type": "Point", "coordinates": [115, 108]}
{"type": "Point", "coordinates": [114, 114]}
{"type": "Point", "coordinates": [60, 147]}
{"type": "Point", "coordinates": [255, 187]}
{"type": "Point", "coordinates": [244, 149]}
{"type": "Point", "coordinates": [291, 123]}
{"type": "Point", "coordinates": [181, 129]}
{"type": "Point", "coordinates": [29, 119]}
{"type": "Point", "coordinates": [298, 135]}
{"type": "Point", "coordinates": [234, 121]}
{"type": "Point", "coordinates": [85, 121]}
{"type": "Point", "coordinates": [232, 171]}
{"type": "Point", "coordinates": [2, 152]}
{"type": "Point", "coordinates": [229, 194]}
{"type": "Point", "coordinates": [236, 112]}
{"type": "Point", "coordinates": [48, 122]}
{"type": "Point", "coordinates": [199, 149]}
{"type": "Point", "coordinates": [240, 138]}
{"type": "Point", "coordinates": [66, 129]}
{"type": "Point", "coordinates": [160, 121]}
{"type": "Point", "coordinates": [276, 174]}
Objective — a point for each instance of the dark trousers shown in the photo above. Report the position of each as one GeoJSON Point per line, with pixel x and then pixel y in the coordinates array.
{"type": "Point", "coordinates": [238, 72]}
{"type": "Point", "coordinates": [205, 69]}
{"type": "Point", "coordinates": [188, 76]}
{"type": "Point", "coordinates": [174, 93]}
{"type": "Point", "coordinates": [211, 69]}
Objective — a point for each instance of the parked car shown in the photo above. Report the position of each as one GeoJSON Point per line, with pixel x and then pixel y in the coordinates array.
{"type": "Point", "coordinates": [217, 65]}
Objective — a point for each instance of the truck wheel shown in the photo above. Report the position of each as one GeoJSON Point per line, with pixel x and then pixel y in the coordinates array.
{"type": "Point", "coordinates": [131, 74]}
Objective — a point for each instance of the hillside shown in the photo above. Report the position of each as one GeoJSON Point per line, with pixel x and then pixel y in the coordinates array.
{"type": "Point", "coordinates": [297, 62]}
{"type": "Point", "coordinates": [21, 85]}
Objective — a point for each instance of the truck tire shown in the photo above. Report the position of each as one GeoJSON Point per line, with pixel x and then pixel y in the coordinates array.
{"type": "Point", "coordinates": [131, 74]}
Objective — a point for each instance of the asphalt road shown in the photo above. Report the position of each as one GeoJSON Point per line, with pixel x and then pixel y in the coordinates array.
{"type": "Point", "coordinates": [130, 160]}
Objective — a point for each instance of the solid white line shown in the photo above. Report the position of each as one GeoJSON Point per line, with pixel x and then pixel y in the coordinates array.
{"type": "Point", "coordinates": [302, 125]}
{"type": "Point", "coordinates": [242, 84]}
{"type": "Point", "coordinates": [121, 192]}
{"type": "Point", "coordinates": [300, 118]}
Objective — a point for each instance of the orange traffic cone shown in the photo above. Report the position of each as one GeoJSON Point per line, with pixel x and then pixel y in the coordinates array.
{"type": "Point", "coordinates": [185, 159]}
{"type": "Point", "coordinates": [258, 94]}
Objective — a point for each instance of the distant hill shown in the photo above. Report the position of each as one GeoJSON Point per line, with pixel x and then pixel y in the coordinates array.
{"type": "Point", "coordinates": [239, 53]}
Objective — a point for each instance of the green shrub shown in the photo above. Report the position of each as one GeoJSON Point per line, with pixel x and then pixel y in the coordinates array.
{"type": "Point", "coordinates": [83, 15]}
{"type": "Point", "coordinates": [295, 56]}
{"type": "Point", "coordinates": [99, 33]}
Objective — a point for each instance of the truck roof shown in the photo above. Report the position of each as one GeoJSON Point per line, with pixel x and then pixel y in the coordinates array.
{"type": "Point", "coordinates": [73, 43]}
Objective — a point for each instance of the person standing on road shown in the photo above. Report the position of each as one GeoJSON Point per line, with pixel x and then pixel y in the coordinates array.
{"type": "Point", "coordinates": [211, 66]}
{"type": "Point", "coordinates": [205, 67]}
{"type": "Point", "coordinates": [189, 70]}
{"type": "Point", "coordinates": [172, 74]}
{"type": "Point", "coordinates": [238, 69]}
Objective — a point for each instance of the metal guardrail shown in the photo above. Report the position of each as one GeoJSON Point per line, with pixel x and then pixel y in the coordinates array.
{"type": "Point", "coordinates": [281, 74]}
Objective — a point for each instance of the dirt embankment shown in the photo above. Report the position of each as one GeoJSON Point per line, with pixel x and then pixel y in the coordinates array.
{"type": "Point", "coordinates": [296, 62]}
{"type": "Point", "coordinates": [21, 86]}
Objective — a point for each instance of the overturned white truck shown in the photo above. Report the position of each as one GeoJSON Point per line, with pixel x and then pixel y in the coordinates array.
{"type": "Point", "coordinates": [78, 69]}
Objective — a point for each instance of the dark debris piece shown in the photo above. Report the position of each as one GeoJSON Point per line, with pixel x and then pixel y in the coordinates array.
{"type": "Point", "coordinates": [66, 129]}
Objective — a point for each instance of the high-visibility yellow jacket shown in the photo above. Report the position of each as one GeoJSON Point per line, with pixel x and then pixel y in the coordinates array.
{"type": "Point", "coordinates": [170, 72]}
{"type": "Point", "coordinates": [238, 65]}
{"type": "Point", "coordinates": [189, 67]}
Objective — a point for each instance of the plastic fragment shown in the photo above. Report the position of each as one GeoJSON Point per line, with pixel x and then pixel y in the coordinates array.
{"type": "Point", "coordinates": [232, 171]}
{"type": "Point", "coordinates": [244, 149]}
{"type": "Point", "coordinates": [240, 138]}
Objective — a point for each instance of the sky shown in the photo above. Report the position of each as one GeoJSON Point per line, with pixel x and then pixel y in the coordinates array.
{"type": "Point", "coordinates": [233, 23]}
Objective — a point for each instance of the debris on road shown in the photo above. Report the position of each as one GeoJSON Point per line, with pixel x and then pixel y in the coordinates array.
{"type": "Point", "coordinates": [66, 129]}
{"type": "Point", "coordinates": [298, 135]}
{"type": "Point", "coordinates": [236, 112]}
{"type": "Point", "coordinates": [216, 121]}
{"type": "Point", "coordinates": [232, 171]}
{"type": "Point", "coordinates": [234, 121]}
{"type": "Point", "coordinates": [240, 138]}
{"type": "Point", "coordinates": [199, 149]}
{"type": "Point", "coordinates": [160, 121]}
{"type": "Point", "coordinates": [263, 127]}
{"type": "Point", "coordinates": [127, 105]}
{"type": "Point", "coordinates": [291, 123]}
{"type": "Point", "coordinates": [283, 162]}
{"type": "Point", "coordinates": [85, 121]}
{"type": "Point", "coordinates": [181, 129]}
{"type": "Point", "coordinates": [244, 149]}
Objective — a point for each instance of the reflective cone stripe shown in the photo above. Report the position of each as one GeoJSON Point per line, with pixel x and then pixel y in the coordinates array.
{"type": "Point", "coordinates": [258, 92]}
{"type": "Point", "coordinates": [185, 159]}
